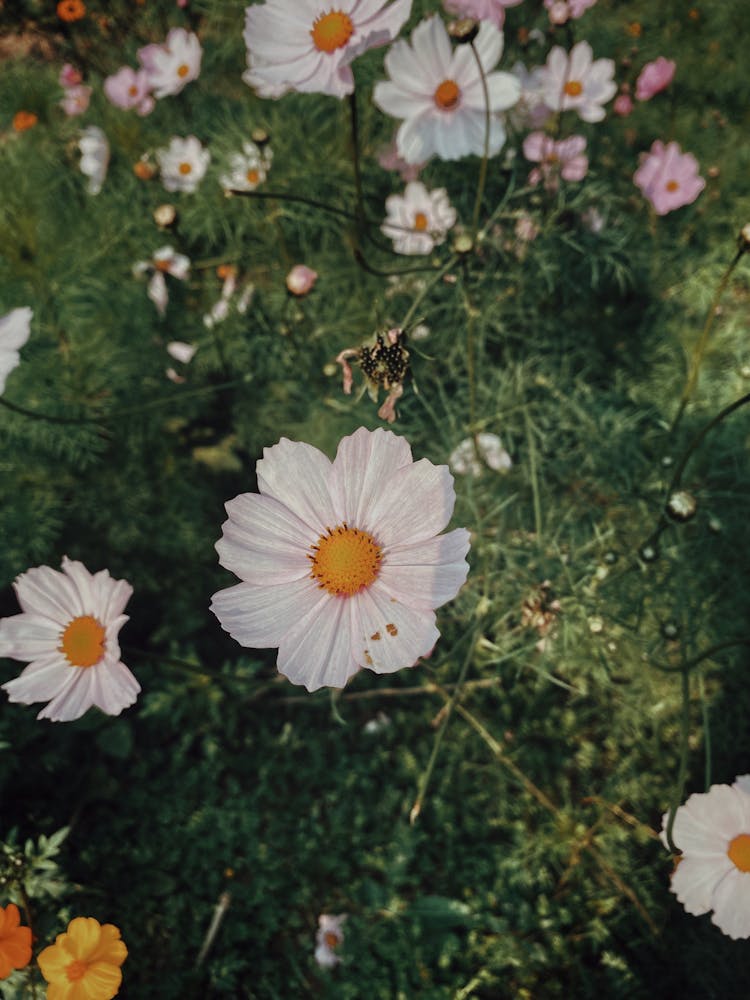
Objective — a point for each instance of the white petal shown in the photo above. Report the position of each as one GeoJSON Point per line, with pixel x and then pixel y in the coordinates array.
{"type": "Point", "coordinates": [263, 542]}
{"type": "Point", "coordinates": [390, 635]}
{"type": "Point", "coordinates": [427, 574]}
{"type": "Point", "coordinates": [317, 650]}
{"type": "Point", "coordinates": [695, 880]}
{"type": "Point", "coordinates": [157, 292]}
{"type": "Point", "coordinates": [414, 504]}
{"type": "Point", "coordinates": [260, 617]}
{"type": "Point", "coordinates": [41, 680]}
{"type": "Point", "coordinates": [44, 591]}
{"type": "Point", "coordinates": [73, 700]}
{"type": "Point", "coordinates": [113, 687]}
{"type": "Point", "coordinates": [732, 905]}
{"type": "Point", "coordinates": [297, 475]}
{"type": "Point", "coordinates": [364, 462]}
{"type": "Point", "coordinates": [26, 636]}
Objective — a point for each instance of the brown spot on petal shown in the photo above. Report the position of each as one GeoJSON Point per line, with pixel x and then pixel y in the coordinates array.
{"type": "Point", "coordinates": [368, 659]}
{"type": "Point", "coordinates": [375, 636]}
{"type": "Point", "coordinates": [391, 629]}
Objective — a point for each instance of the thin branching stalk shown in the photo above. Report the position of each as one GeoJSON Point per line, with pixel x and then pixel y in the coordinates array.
{"type": "Point", "coordinates": [486, 155]}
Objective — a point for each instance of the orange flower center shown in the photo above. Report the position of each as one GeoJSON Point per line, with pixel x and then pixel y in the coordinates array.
{"type": "Point", "coordinates": [71, 10]}
{"type": "Point", "coordinates": [420, 222]}
{"type": "Point", "coordinates": [76, 970]}
{"type": "Point", "coordinates": [738, 852]}
{"type": "Point", "coordinates": [332, 31]}
{"type": "Point", "coordinates": [83, 642]}
{"type": "Point", "coordinates": [132, 90]}
{"type": "Point", "coordinates": [573, 88]}
{"type": "Point", "coordinates": [253, 176]}
{"type": "Point", "coordinates": [672, 185]}
{"type": "Point", "coordinates": [331, 939]}
{"type": "Point", "coordinates": [346, 561]}
{"type": "Point", "coordinates": [447, 95]}
{"type": "Point", "coordinates": [183, 70]}
{"type": "Point", "coordinates": [185, 168]}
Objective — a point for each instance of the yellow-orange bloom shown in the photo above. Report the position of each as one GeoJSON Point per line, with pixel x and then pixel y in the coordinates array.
{"type": "Point", "coordinates": [84, 963]}
{"type": "Point", "coordinates": [15, 941]}
{"type": "Point", "coordinates": [23, 120]}
{"type": "Point", "coordinates": [71, 10]}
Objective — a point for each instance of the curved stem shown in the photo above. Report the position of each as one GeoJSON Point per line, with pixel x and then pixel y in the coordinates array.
{"type": "Point", "coordinates": [707, 654]}
{"type": "Point", "coordinates": [486, 156]}
{"type": "Point", "coordinates": [299, 199]}
{"type": "Point", "coordinates": [48, 417]}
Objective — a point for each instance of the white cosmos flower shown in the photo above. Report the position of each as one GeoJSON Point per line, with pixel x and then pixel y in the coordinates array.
{"type": "Point", "coordinates": [67, 633]}
{"type": "Point", "coordinates": [247, 169]}
{"type": "Point", "coordinates": [712, 830]}
{"type": "Point", "coordinates": [15, 328]}
{"type": "Point", "coordinates": [165, 261]}
{"type": "Point", "coordinates": [328, 939]}
{"type": "Point", "coordinates": [418, 219]}
{"type": "Point", "coordinates": [438, 93]}
{"type": "Point", "coordinates": [464, 462]}
{"type": "Point", "coordinates": [342, 563]}
{"type": "Point", "coordinates": [576, 81]}
{"type": "Point", "coordinates": [94, 157]}
{"type": "Point", "coordinates": [183, 163]}
{"type": "Point", "coordinates": [308, 45]}
{"type": "Point", "coordinates": [171, 66]}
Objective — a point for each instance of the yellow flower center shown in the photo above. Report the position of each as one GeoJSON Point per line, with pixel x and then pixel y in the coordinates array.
{"type": "Point", "coordinates": [738, 852]}
{"type": "Point", "coordinates": [447, 95]}
{"type": "Point", "coordinates": [252, 176]}
{"type": "Point", "coordinates": [185, 168]}
{"type": "Point", "coordinates": [420, 222]}
{"type": "Point", "coordinates": [76, 970]}
{"type": "Point", "coordinates": [332, 31]}
{"type": "Point", "coordinates": [573, 88]}
{"type": "Point", "coordinates": [183, 70]}
{"type": "Point", "coordinates": [83, 641]}
{"type": "Point", "coordinates": [331, 939]}
{"type": "Point", "coordinates": [346, 560]}
{"type": "Point", "coordinates": [672, 185]}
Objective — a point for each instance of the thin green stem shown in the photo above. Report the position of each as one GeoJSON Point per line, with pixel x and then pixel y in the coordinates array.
{"type": "Point", "coordinates": [706, 720]}
{"type": "Point", "coordinates": [299, 199]}
{"type": "Point", "coordinates": [707, 654]}
{"type": "Point", "coordinates": [684, 751]}
{"type": "Point", "coordinates": [426, 290]}
{"type": "Point", "coordinates": [47, 417]}
{"type": "Point", "coordinates": [354, 125]}
{"type": "Point", "coordinates": [485, 158]}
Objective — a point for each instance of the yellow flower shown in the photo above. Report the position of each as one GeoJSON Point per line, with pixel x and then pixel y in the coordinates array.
{"type": "Point", "coordinates": [84, 963]}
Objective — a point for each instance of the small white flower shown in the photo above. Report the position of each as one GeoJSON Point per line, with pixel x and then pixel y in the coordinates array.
{"type": "Point", "coordinates": [67, 633]}
{"type": "Point", "coordinates": [171, 66]}
{"type": "Point", "coordinates": [328, 939]}
{"type": "Point", "coordinates": [376, 725]}
{"type": "Point", "coordinates": [183, 164]}
{"type": "Point", "coordinates": [94, 157]}
{"type": "Point", "coordinates": [165, 260]}
{"type": "Point", "coordinates": [464, 462]}
{"type": "Point", "coordinates": [418, 220]}
{"type": "Point", "coordinates": [181, 351]}
{"type": "Point", "coordinates": [575, 81]}
{"type": "Point", "coordinates": [15, 328]}
{"type": "Point", "coordinates": [247, 169]}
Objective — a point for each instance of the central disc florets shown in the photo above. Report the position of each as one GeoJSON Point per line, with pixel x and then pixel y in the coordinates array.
{"type": "Point", "coordinates": [332, 31]}
{"type": "Point", "coordinates": [83, 642]}
{"type": "Point", "coordinates": [345, 561]}
{"type": "Point", "coordinates": [573, 88]}
{"type": "Point", "coordinates": [738, 852]}
{"type": "Point", "coordinates": [447, 95]}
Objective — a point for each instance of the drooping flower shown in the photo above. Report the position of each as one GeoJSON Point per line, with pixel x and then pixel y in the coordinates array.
{"type": "Point", "coordinates": [560, 11]}
{"type": "Point", "coordinates": [15, 941]}
{"type": "Point", "coordinates": [342, 563]}
{"type": "Point", "coordinates": [654, 77]}
{"type": "Point", "coordinates": [67, 632]}
{"type": "Point", "coordinates": [464, 460]}
{"type": "Point", "coordinates": [221, 308]}
{"type": "Point", "coordinates": [439, 95]}
{"type": "Point", "coordinates": [94, 149]}
{"type": "Point", "coordinates": [84, 962]}
{"type": "Point", "coordinates": [183, 164]}
{"type": "Point", "coordinates": [481, 10]}
{"type": "Point", "coordinates": [130, 89]}
{"type": "Point", "coordinates": [247, 169]}
{"type": "Point", "coordinates": [712, 830]}
{"type": "Point", "coordinates": [668, 177]}
{"type": "Point", "coordinates": [172, 66]}
{"type": "Point", "coordinates": [15, 328]}
{"type": "Point", "coordinates": [576, 81]}
{"type": "Point", "coordinates": [418, 220]}
{"type": "Point", "coordinates": [301, 279]}
{"type": "Point", "coordinates": [165, 261]}
{"type": "Point", "coordinates": [556, 158]}
{"type": "Point", "coordinates": [328, 939]}
{"type": "Point", "coordinates": [309, 47]}
{"type": "Point", "coordinates": [71, 10]}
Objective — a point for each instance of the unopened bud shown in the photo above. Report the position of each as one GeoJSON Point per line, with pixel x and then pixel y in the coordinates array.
{"type": "Point", "coordinates": [165, 215]}
{"type": "Point", "coordinates": [260, 137]}
{"type": "Point", "coordinates": [463, 243]}
{"type": "Point", "coordinates": [744, 239]}
{"type": "Point", "coordinates": [464, 31]}
{"type": "Point", "coordinates": [682, 506]}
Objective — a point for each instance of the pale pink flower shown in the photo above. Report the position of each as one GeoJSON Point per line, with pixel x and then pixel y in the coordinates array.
{"type": "Point", "coordinates": [165, 261]}
{"type": "Point", "coordinates": [301, 279]}
{"type": "Point", "coordinates": [418, 220]}
{"type": "Point", "coordinates": [328, 939]}
{"type": "Point", "coordinates": [15, 328]}
{"type": "Point", "coordinates": [130, 89]}
{"type": "Point", "coordinates": [561, 11]}
{"type": "Point", "coordinates": [438, 93]}
{"type": "Point", "coordinates": [342, 563]}
{"type": "Point", "coordinates": [481, 10]}
{"type": "Point", "coordinates": [171, 66]}
{"type": "Point", "coordinates": [70, 76]}
{"type": "Point", "coordinates": [654, 77]}
{"type": "Point", "coordinates": [623, 105]}
{"type": "Point", "coordinates": [562, 158]}
{"type": "Point", "coordinates": [575, 81]}
{"type": "Point", "coordinates": [76, 99]}
{"type": "Point", "coordinates": [668, 177]}
{"type": "Point", "coordinates": [183, 164]}
{"type": "Point", "coordinates": [67, 632]}
{"type": "Point", "coordinates": [308, 46]}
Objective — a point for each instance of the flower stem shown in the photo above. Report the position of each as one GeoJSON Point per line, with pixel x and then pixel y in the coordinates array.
{"type": "Point", "coordinates": [485, 158]}
{"type": "Point", "coordinates": [426, 290]}
{"type": "Point", "coordinates": [684, 748]}
{"type": "Point", "coordinates": [354, 124]}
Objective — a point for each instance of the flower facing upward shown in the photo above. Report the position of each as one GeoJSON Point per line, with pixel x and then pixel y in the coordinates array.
{"type": "Point", "coordinates": [247, 169]}
{"type": "Point", "coordinates": [171, 66]}
{"type": "Point", "coordinates": [712, 829]}
{"type": "Point", "coordinates": [130, 89]}
{"type": "Point", "coordinates": [308, 45]}
{"type": "Point", "coordinates": [68, 634]}
{"type": "Point", "coordinates": [578, 82]}
{"type": "Point", "coordinates": [84, 962]}
{"type": "Point", "coordinates": [418, 220]}
{"type": "Point", "coordinates": [481, 10]}
{"type": "Point", "coordinates": [71, 10]}
{"type": "Point", "coordinates": [15, 941]}
{"type": "Point", "coordinates": [342, 563]}
{"type": "Point", "coordinates": [15, 328]}
{"type": "Point", "coordinates": [668, 177]}
{"type": "Point", "coordinates": [183, 164]}
{"type": "Point", "coordinates": [439, 95]}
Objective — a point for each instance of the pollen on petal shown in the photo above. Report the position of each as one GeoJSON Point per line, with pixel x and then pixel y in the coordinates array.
{"type": "Point", "coordinates": [345, 561]}
{"type": "Point", "coordinates": [332, 31]}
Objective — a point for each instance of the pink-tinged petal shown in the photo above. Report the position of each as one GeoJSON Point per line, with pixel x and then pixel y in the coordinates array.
{"type": "Point", "coordinates": [297, 475]}
{"type": "Point", "coordinates": [390, 635]}
{"type": "Point", "coordinates": [695, 879]}
{"type": "Point", "coordinates": [260, 616]}
{"type": "Point", "coordinates": [263, 542]}
{"type": "Point", "coordinates": [75, 698]}
{"type": "Point", "coordinates": [317, 650]}
{"type": "Point", "coordinates": [45, 678]}
{"type": "Point", "coordinates": [415, 504]}
{"type": "Point", "coordinates": [426, 575]}
{"type": "Point", "coordinates": [113, 688]}
{"type": "Point", "coordinates": [26, 636]}
{"type": "Point", "coordinates": [731, 905]}
{"type": "Point", "coordinates": [654, 77]}
{"type": "Point", "coordinates": [537, 146]}
{"type": "Point", "coordinates": [363, 463]}
{"type": "Point", "coordinates": [46, 592]}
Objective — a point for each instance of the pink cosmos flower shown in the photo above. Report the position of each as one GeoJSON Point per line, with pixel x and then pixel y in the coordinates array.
{"type": "Point", "coordinates": [654, 76]}
{"type": "Point", "coordinates": [308, 45]}
{"type": "Point", "coordinates": [481, 10]}
{"type": "Point", "coordinates": [130, 89]}
{"type": "Point", "coordinates": [577, 82]}
{"type": "Point", "coordinates": [564, 158]}
{"type": "Point", "coordinates": [342, 563]}
{"type": "Point", "coordinates": [561, 11]}
{"type": "Point", "coordinates": [171, 66]}
{"type": "Point", "coordinates": [67, 632]}
{"type": "Point", "coordinates": [301, 279]}
{"type": "Point", "coordinates": [437, 92]}
{"type": "Point", "coordinates": [623, 105]}
{"type": "Point", "coordinates": [70, 76]}
{"type": "Point", "coordinates": [668, 177]}
{"type": "Point", "coordinates": [76, 99]}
